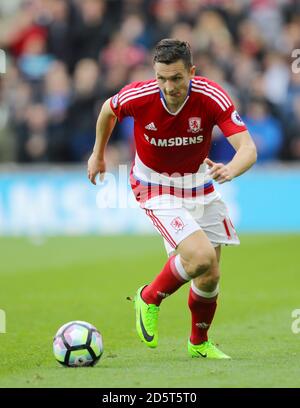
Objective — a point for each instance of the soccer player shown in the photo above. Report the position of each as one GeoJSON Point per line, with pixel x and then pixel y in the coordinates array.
{"type": "Point", "coordinates": [172, 179]}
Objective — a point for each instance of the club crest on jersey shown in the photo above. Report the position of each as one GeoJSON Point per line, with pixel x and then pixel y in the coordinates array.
{"type": "Point", "coordinates": [177, 224]}
{"type": "Point", "coordinates": [194, 125]}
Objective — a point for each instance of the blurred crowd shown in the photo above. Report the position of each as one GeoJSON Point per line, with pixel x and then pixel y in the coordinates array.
{"type": "Point", "coordinates": [65, 57]}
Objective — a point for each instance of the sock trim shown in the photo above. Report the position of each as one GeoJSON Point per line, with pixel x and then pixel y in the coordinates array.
{"type": "Point", "coordinates": [201, 293]}
{"type": "Point", "coordinates": [180, 269]}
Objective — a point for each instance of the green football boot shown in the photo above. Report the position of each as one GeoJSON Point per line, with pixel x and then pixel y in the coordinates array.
{"type": "Point", "coordinates": [146, 320]}
{"type": "Point", "coordinates": [206, 350]}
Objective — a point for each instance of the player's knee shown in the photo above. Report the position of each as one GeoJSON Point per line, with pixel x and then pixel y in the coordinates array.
{"type": "Point", "coordinates": [200, 263]}
{"type": "Point", "coordinates": [202, 266]}
{"type": "Point", "coordinates": [209, 282]}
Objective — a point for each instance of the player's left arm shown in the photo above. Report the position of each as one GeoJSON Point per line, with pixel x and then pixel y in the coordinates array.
{"type": "Point", "coordinates": [243, 159]}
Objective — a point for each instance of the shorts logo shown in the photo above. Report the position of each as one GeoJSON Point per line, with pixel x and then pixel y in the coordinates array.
{"type": "Point", "coordinates": [115, 101]}
{"type": "Point", "coordinates": [235, 117]}
{"type": "Point", "coordinates": [177, 224]}
{"type": "Point", "coordinates": [194, 125]}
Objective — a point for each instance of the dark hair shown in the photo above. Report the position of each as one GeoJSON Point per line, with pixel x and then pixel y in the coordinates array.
{"type": "Point", "coordinates": [169, 50]}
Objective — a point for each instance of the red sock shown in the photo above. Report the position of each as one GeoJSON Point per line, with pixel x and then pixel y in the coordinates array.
{"type": "Point", "coordinates": [166, 283]}
{"type": "Point", "coordinates": [203, 311]}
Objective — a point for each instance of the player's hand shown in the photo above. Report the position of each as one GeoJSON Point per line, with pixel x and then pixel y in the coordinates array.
{"type": "Point", "coordinates": [96, 166]}
{"type": "Point", "coordinates": [219, 172]}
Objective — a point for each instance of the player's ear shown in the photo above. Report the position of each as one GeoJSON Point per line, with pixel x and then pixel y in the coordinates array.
{"type": "Point", "coordinates": [192, 71]}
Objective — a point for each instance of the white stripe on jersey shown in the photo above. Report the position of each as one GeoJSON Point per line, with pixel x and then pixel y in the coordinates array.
{"type": "Point", "coordinates": [217, 95]}
{"type": "Point", "coordinates": [149, 88]}
{"type": "Point", "coordinates": [213, 89]}
{"type": "Point", "coordinates": [138, 88]}
{"type": "Point", "coordinates": [211, 96]}
{"type": "Point", "coordinates": [130, 97]}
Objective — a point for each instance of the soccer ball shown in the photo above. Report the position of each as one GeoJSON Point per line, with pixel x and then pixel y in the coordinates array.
{"type": "Point", "coordinates": [77, 344]}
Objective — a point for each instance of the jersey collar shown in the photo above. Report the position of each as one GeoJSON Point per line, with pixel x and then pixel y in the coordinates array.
{"type": "Point", "coordinates": [164, 102]}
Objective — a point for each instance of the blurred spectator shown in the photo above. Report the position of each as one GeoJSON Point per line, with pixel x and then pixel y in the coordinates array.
{"type": "Point", "coordinates": [184, 32]}
{"type": "Point", "coordinates": [165, 15]}
{"type": "Point", "coordinates": [189, 10]}
{"type": "Point", "coordinates": [57, 92]}
{"type": "Point", "coordinates": [65, 57]}
{"type": "Point", "coordinates": [265, 131]}
{"type": "Point", "coordinates": [293, 92]}
{"type": "Point", "coordinates": [267, 18]}
{"type": "Point", "coordinates": [83, 112]}
{"type": "Point", "coordinates": [93, 31]}
{"type": "Point", "coordinates": [210, 32]}
{"type": "Point", "coordinates": [120, 51]}
{"type": "Point", "coordinates": [34, 62]}
{"type": "Point", "coordinates": [62, 22]}
{"type": "Point", "coordinates": [221, 150]}
{"type": "Point", "coordinates": [134, 30]}
{"type": "Point", "coordinates": [7, 142]}
{"type": "Point", "coordinates": [32, 135]}
{"type": "Point", "coordinates": [57, 98]}
{"type": "Point", "coordinates": [251, 41]}
{"type": "Point", "coordinates": [276, 78]}
{"type": "Point", "coordinates": [291, 119]}
{"type": "Point", "coordinates": [22, 28]}
{"type": "Point", "coordinates": [291, 149]}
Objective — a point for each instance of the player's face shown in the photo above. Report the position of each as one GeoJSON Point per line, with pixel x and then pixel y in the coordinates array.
{"type": "Point", "coordinates": [174, 80]}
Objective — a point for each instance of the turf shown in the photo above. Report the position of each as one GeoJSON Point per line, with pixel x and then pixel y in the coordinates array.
{"type": "Point", "coordinates": [45, 283]}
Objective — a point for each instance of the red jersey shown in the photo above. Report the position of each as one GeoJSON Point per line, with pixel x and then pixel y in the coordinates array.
{"type": "Point", "coordinates": [177, 142]}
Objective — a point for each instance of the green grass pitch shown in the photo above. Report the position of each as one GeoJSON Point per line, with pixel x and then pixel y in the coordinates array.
{"type": "Point", "coordinates": [46, 284]}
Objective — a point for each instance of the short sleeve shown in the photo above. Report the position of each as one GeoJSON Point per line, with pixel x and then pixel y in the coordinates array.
{"type": "Point", "coordinates": [120, 105]}
{"type": "Point", "coordinates": [226, 115]}
{"type": "Point", "coordinates": [230, 122]}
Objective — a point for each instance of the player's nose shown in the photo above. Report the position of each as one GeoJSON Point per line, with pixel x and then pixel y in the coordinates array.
{"type": "Point", "coordinates": [169, 87]}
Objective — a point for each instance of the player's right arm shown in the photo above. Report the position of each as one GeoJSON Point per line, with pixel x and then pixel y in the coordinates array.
{"type": "Point", "coordinates": [105, 124]}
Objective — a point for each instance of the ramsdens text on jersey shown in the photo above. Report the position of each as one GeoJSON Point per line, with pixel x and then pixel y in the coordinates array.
{"type": "Point", "coordinates": [174, 141]}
